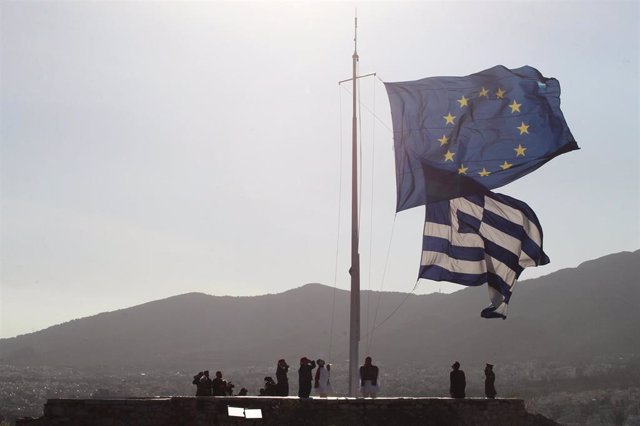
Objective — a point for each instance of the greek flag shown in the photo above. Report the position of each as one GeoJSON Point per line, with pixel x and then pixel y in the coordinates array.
{"type": "Point", "coordinates": [481, 238]}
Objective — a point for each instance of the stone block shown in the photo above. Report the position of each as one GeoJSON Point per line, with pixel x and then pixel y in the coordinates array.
{"type": "Point", "coordinates": [288, 411]}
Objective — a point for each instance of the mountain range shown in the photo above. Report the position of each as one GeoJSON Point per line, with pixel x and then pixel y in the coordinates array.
{"type": "Point", "coordinates": [569, 315]}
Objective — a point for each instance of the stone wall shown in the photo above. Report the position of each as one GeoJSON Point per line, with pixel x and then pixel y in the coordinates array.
{"type": "Point", "coordinates": [174, 411]}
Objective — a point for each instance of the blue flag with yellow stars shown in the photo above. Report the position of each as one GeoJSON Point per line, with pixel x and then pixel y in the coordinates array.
{"type": "Point", "coordinates": [455, 136]}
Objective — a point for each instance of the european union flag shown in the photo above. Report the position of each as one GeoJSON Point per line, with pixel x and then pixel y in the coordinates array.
{"type": "Point", "coordinates": [481, 238]}
{"type": "Point", "coordinates": [455, 136]}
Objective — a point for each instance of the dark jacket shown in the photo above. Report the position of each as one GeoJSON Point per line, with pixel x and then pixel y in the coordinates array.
{"type": "Point", "coordinates": [305, 372]}
{"type": "Point", "coordinates": [283, 381]}
{"type": "Point", "coordinates": [219, 387]}
{"type": "Point", "coordinates": [305, 377]}
{"type": "Point", "coordinates": [369, 372]}
{"type": "Point", "coordinates": [458, 384]}
{"type": "Point", "coordinates": [270, 388]}
{"type": "Point", "coordinates": [203, 386]}
{"type": "Point", "coordinates": [489, 384]}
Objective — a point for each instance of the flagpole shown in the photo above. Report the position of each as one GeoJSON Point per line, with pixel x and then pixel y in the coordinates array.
{"type": "Point", "coordinates": [354, 335]}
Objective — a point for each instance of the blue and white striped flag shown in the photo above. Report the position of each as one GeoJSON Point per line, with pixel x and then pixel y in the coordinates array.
{"type": "Point", "coordinates": [481, 238]}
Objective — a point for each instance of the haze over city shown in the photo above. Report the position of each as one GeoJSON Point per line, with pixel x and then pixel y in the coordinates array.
{"type": "Point", "coordinates": [155, 149]}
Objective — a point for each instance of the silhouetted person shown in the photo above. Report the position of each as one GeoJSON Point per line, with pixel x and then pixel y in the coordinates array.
{"type": "Point", "coordinates": [203, 383]}
{"type": "Point", "coordinates": [457, 381]}
{"type": "Point", "coordinates": [369, 379]}
{"type": "Point", "coordinates": [281, 377]}
{"type": "Point", "coordinates": [489, 382]}
{"type": "Point", "coordinates": [243, 392]}
{"type": "Point", "coordinates": [219, 385]}
{"type": "Point", "coordinates": [196, 381]}
{"type": "Point", "coordinates": [305, 377]}
{"type": "Point", "coordinates": [270, 387]}
{"type": "Point", "coordinates": [229, 389]}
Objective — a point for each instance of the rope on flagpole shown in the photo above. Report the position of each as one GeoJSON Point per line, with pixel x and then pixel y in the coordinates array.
{"type": "Point", "coordinates": [373, 165]}
{"type": "Point", "coordinates": [335, 272]}
{"type": "Point", "coordinates": [378, 119]}
{"type": "Point", "coordinates": [397, 308]}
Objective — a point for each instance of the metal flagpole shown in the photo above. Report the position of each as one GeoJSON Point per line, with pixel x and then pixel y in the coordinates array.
{"type": "Point", "coordinates": [354, 335]}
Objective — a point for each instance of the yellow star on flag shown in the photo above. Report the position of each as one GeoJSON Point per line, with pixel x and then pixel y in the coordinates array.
{"type": "Point", "coordinates": [515, 107]}
{"type": "Point", "coordinates": [443, 140]}
{"type": "Point", "coordinates": [462, 170]}
{"type": "Point", "coordinates": [449, 119]}
{"type": "Point", "coordinates": [463, 101]}
{"type": "Point", "coordinates": [484, 92]}
{"type": "Point", "coordinates": [524, 128]}
{"type": "Point", "coordinates": [500, 94]}
{"type": "Point", "coordinates": [448, 156]}
{"type": "Point", "coordinates": [519, 150]}
{"type": "Point", "coordinates": [505, 165]}
{"type": "Point", "coordinates": [484, 172]}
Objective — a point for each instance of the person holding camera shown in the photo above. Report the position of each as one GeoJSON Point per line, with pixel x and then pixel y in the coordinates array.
{"type": "Point", "coordinates": [305, 377]}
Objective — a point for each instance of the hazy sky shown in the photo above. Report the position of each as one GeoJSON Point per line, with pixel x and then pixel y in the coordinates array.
{"type": "Point", "coordinates": [153, 149]}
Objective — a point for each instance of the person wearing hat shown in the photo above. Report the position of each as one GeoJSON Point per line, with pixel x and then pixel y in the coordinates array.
{"type": "Point", "coordinates": [489, 381]}
{"type": "Point", "coordinates": [305, 377]}
{"type": "Point", "coordinates": [457, 381]}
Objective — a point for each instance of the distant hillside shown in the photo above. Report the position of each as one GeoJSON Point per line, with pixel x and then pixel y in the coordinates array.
{"type": "Point", "coordinates": [572, 314]}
